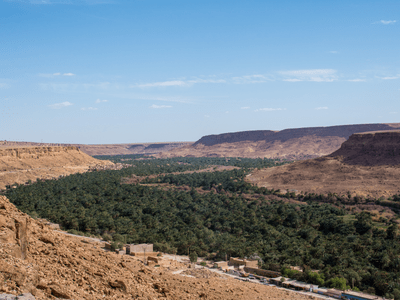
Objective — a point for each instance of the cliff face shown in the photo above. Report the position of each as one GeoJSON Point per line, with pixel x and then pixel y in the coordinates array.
{"type": "Point", "coordinates": [367, 164]}
{"type": "Point", "coordinates": [298, 143]}
{"type": "Point", "coordinates": [371, 149]}
{"type": "Point", "coordinates": [104, 149]}
{"type": "Point", "coordinates": [343, 131]}
{"type": "Point", "coordinates": [20, 164]}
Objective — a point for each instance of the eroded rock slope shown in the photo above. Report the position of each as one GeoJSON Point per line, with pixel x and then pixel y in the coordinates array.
{"type": "Point", "coordinates": [20, 164]}
{"type": "Point", "coordinates": [367, 164]}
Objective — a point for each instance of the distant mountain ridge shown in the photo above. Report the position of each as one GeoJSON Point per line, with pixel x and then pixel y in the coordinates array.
{"type": "Point", "coordinates": [295, 143]}
{"type": "Point", "coordinates": [344, 131]}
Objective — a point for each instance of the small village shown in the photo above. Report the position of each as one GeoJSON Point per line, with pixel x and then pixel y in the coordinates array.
{"type": "Point", "coordinates": [241, 269]}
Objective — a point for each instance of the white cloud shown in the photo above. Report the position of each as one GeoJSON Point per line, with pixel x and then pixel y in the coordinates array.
{"type": "Point", "coordinates": [163, 84]}
{"type": "Point", "coordinates": [270, 109]}
{"type": "Point", "coordinates": [88, 108]}
{"type": "Point", "coordinates": [322, 107]}
{"type": "Point", "coordinates": [245, 107]}
{"type": "Point", "coordinates": [206, 116]}
{"type": "Point", "coordinates": [55, 74]}
{"type": "Point", "coordinates": [160, 106]}
{"type": "Point", "coordinates": [390, 77]}
{"type": "Point", "coordinates": [357, 80]}
{"type": "Point", "coordinates": [101, 101]}
{"type": "Point", "coordinates": [60, 105]}
{"type": "Point", "coordinates": [258, 78]}
{"type": "Point", "coordinates": [334, 52]}
{"type": "Point", "coordinates": [199, 80]}
{"type": "Point", "coordinates": [3, 85]}
{"type": "Point", "coordinates": [393, 112]}
{"type": "Point", "coordinates": [179, 82]}
{"type": "Point", "coordinates": [385, 22]}
{"type": "Point", "coordinates": [292, 80]}
{"type": "Point", "coordinates": [317, 75]}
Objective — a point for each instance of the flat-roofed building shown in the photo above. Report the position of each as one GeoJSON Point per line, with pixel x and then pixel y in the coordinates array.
{"type": "Point", "coordinates": [351, 295]}
{"type": "Point", "coordinates": [237, 262]}
{"type": "Point", "coordinates": [139, 248]}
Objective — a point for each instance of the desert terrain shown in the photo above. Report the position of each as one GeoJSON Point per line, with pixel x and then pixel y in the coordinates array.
{"type": "Point", "coordinates": [21, 164]}
{"type": "Point", "coordinates": [105, 149]}
{"type": "Point", "coordinates": [51, 265]}
{"type": "Point", "coordinates": [291, 144]}
{"type": "Point", "coordinates": [367, 164]}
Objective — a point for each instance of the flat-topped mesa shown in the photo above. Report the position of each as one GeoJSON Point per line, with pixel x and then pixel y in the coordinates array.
{"type": "Point", "coordinates": [374, 148]}
{"type": "Point", "coordinates": [291, 144]}
{"type": "Point", "coordinates": [32, 152]}
{"type": "Point", "coordinates": [343, 131]}
{"type": "Point", "coordinates": [21, 164]}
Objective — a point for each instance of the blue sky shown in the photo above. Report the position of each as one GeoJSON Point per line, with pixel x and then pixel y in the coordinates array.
{"type": "Point", "coordinates": [98, 71]}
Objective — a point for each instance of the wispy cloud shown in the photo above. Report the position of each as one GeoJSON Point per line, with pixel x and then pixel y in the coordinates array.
{"type": "Point", "coordinates": [178, 83]}
{"type": "Point", "coordinates": [3, 85]}
{"type": "Point", "coordinates": [393, 112]}
{"type": "Point", "coordinates": [390, 77]}
{"type": "Point", "coordinates": [293, 80]}
{"type": "Point", "coordinates": [245, 107]}
{"type": "Point", "coordinates": [357, 80]}
{"type": "Point", "coordinates": [162, 84]}
{"type": "Point", "coordinates": [101, 101]}
{"type": "Point", "coordinates": [55, 74]}
{"type": "Point", "coordinates": [60, 105]}
{"type": "Point", "coordinates": [334, 52]}
{"type": "Point", "coordinates": [317, 75]}
{"type": "Point", "coordinates": [67, 87]}
{"type": "Point", "coordinates": [258, 78]}
{"type": "Point", "coordinates": [385, 22]}
{"type": "Point", "coordinates": [160, 106]}
{"type": "Point", "coordinates": [320, 108]}
{"type": "Point", "coordinates": [270, 109]}
{"type": "Point", "coordinates": [88, 108]}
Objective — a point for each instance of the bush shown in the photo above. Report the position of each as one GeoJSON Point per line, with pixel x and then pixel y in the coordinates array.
{"type": "Point", "coordinates": [338, 283]}
{"type": "Point", "coordinates": [193, 256]}
{"type": "Point", "coordinates": [107, 237]}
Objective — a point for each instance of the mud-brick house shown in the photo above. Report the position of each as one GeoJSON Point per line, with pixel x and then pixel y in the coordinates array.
{"type": "Point", "coordinates": [139, 248]}
{"type": "Point", "coordinates": [239, 262]}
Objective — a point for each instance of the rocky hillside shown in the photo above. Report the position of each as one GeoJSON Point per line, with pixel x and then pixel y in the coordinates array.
{"type": "Point", "coordinates": [20, 164]}
{"type": "Point", "coordinates": [106, 149]}
{"type": "Point", "coordinates": [367, 164]}
{"type": "Point", "coordinates": [118, 149]}
{"type": "Point", "coordinates": [52, 265]}
{"type": "Point", "coordinates": [298, 143]}
{"type": "Point", "coordinates": [371, 149]}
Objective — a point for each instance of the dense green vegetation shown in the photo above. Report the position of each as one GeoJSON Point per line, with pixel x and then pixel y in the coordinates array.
{"type": "Point", "coordinates": [194, 163]}
{"type": "Point", "coordinates": [346, 250]}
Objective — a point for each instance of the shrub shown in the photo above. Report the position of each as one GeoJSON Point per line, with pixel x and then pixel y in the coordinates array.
{"type": "Point", "coordinates": [193, 256]}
